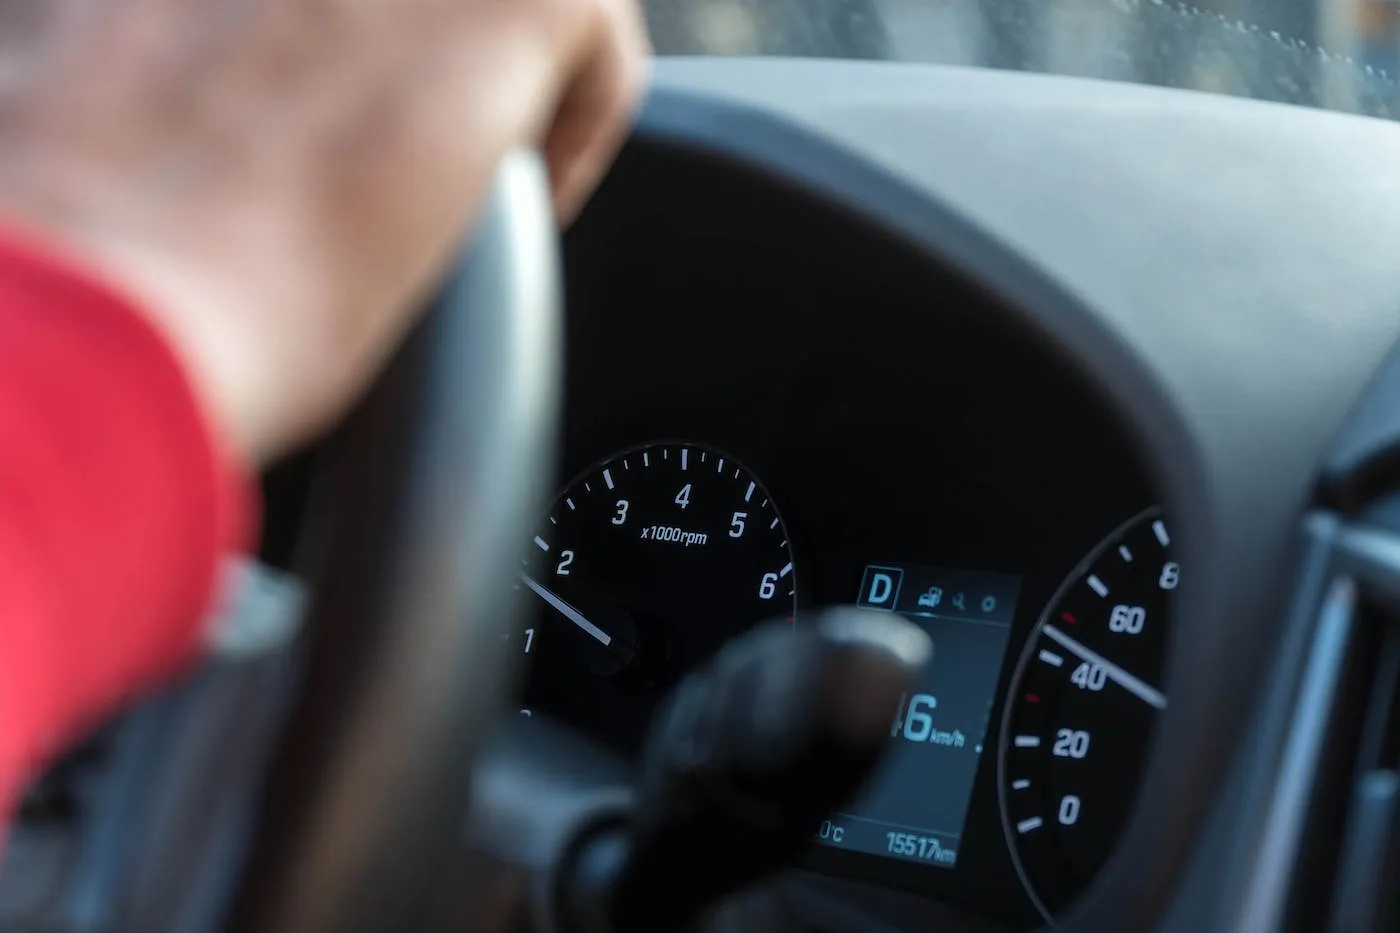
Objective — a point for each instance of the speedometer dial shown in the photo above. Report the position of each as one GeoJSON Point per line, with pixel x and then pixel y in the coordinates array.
{"type": "Point", "coordinates": [1082, 706]}
{"type": "Point", "coordinates": [645, 565]}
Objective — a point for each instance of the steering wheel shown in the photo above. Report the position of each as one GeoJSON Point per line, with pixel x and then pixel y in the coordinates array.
{"type": "Point", "coordinates": [419, 500]}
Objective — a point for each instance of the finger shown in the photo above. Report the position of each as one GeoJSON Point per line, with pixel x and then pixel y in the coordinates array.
{"type": "Point", "coordinates": [597, 105]}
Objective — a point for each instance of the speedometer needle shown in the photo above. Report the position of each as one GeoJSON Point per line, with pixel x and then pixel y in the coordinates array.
{"type": "Point", "coordinates": [1147, 694]}
{"type": "Point", "coordinates": [569, 612]}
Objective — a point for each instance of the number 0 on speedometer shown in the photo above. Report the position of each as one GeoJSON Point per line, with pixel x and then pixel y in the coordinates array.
{"type": "Point", "coordinates": [1083, 702]}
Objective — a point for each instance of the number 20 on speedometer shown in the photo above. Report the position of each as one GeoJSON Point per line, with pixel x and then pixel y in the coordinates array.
{"type": "Point", "coordinates": [1083, 702]}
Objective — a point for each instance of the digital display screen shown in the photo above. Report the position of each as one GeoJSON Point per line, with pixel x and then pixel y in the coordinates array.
{"type": "Point", "coordinates": [916, 804]}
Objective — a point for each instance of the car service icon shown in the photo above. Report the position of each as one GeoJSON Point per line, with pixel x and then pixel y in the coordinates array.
{"type": "Point", "coordinates": [931, 599]}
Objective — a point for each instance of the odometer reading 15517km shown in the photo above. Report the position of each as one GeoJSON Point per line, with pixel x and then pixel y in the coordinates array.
{"type": "Point", "coordinates": [644, 566]}
{"type": "Point", "coordinates": [1083, 702]}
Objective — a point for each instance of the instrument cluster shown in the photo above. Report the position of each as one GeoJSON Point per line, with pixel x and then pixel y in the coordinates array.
{"type": "Point", "coordinates": [763, 421]}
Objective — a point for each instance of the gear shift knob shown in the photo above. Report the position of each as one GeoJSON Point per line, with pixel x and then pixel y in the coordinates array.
{"type": "Point", "coordinates": [745, 760]}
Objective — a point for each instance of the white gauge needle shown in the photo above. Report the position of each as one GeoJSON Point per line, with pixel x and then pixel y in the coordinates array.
{"type": "Point", "coordinates": [569, 612]}
{"type": "Point", "coordinates": [1147, 694]}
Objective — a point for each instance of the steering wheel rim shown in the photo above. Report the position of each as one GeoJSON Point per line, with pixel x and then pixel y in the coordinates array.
{"type": "Point", "coordinates": [419, 501]}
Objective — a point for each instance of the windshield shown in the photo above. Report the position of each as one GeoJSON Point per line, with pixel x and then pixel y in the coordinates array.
{"type": "Point", "coordinates": [1337, 54]}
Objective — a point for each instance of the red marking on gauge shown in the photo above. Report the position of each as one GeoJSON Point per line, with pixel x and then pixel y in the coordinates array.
{"type": "Point", "coordinates": [1032, 698]}
{"type": "Point", "coordinates": [1068, 618]}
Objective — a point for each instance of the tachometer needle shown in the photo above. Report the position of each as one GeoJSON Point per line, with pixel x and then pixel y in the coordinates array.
{"type": "Point", "coordinates": [569, 612]}
{"type": "Point", "coordinates": [1147, 694]}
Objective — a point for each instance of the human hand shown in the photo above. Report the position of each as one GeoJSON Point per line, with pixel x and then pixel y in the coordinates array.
{"type": "Point", "coordinates": [280, 182]}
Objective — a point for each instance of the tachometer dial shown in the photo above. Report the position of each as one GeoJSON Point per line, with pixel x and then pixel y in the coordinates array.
{"type": "Point", "coordinates": [1082, 706]}
{"type": "Point", "coordinates": [645, 565]}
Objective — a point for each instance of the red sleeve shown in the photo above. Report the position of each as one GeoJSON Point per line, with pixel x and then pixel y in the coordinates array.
{"type": "Point", "coordinates": [116, 505]}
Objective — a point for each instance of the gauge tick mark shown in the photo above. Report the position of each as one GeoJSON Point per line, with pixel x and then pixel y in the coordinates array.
{"type": "Point", "coordinates": [1159, 528]}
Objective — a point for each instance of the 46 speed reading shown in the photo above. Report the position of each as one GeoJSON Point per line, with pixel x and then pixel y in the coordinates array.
{"type": "Point", "coordinates": [915, 722]}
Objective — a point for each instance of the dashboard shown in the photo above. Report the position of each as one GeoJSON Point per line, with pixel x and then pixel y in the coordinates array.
{"type": "Point", "coordinates": [1094, 383]}
{"type": "Point", "coordinates": [767, 415]}
{"type": "Point", "coordinates": [968, 335]}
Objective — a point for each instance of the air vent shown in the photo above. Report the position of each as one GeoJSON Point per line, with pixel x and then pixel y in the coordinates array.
{"type": "Point", "coordinates": [1355, 824]}
{"type": "Point", "coordinates": [1367, 887]}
